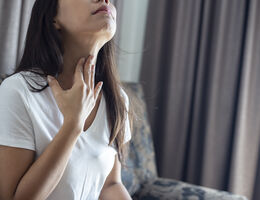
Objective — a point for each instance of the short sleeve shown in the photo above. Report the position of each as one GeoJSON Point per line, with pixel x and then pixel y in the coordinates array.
{"type": "Point", "coordinates": [127, 130]}
{"type": "Point", "coordinates": [127, 123]}
{"type": "Point", "coordinates": [16, 125]}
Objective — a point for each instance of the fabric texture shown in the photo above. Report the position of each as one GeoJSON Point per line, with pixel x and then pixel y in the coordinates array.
{"type": "Point", "coordinates": [169, 189]}
{"type": "Point", "coordinates": [31, 121]}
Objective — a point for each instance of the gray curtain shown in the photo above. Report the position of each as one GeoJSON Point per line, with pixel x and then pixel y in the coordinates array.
{"type": "Point", "coordinates": [200, 74]}
{"type": "Point", "coordinates": [14, 20]}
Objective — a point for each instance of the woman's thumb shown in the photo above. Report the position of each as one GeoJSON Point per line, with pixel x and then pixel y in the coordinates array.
{"type": "Point", "coordinates": [53, 83]}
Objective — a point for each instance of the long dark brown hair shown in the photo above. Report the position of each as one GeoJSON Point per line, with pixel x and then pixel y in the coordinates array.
{"type": "Point", "coordinates": [43, 55]}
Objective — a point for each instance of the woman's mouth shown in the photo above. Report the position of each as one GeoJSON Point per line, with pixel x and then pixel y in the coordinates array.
{"type": "Point", "coordinates": [102, 9]}
{"type": "Point", "coordinates": [105, 11]}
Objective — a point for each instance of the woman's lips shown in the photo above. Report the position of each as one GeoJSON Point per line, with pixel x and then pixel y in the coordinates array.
{"type": "Point", "coordinates": [107, 11]}
{"type": "Point", "coordinates": [102, 9]}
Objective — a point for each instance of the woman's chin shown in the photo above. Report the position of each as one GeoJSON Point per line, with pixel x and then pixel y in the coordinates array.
{"type": "Point", "coordinates": [107, 31]}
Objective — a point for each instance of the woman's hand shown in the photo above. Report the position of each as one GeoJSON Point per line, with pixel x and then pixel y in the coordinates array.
{"type": "Point", "coordinates": [77, 103]}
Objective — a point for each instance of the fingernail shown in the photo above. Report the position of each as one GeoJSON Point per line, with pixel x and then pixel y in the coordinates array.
{"type": "Point", "coordinates": [49, 78]}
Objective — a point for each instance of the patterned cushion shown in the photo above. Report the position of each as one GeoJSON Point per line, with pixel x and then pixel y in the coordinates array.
{"type": "Point", "coordinates": [168, 189]}
{"type": "Point", "coordinates": [141, 165]}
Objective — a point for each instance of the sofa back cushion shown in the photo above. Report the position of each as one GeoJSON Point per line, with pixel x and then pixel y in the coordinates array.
{"type": "Point", "coordinates": [141, 165]}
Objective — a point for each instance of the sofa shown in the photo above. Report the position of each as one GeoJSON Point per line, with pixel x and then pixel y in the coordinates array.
{"type": "Point", "coordinates": [140, 174]}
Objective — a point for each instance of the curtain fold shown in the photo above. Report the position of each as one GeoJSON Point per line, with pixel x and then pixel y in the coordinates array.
{"type": "Point", "coordinates": [245, 158]}
{"type": "Point", "coordinates": [200, 73]}
{"type": "Point", "coordinates": [14, 19]}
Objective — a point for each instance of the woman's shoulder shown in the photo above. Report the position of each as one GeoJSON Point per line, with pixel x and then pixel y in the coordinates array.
{"type": "Point", "coordinates": [17, 84]}
{"type": "Point", "coordinates": [13, 82]}
{"type": "Point", "coordinates": [13, 90]}
{"type": "Point", "coordinates": [20, 80]}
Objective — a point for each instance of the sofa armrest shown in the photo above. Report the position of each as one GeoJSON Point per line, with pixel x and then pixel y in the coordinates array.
{"type": "Point", "coordinates": [169, 189]}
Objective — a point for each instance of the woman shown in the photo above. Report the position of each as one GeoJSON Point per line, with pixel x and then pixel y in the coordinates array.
{"type": "Point", "coordinates": [65, 141]}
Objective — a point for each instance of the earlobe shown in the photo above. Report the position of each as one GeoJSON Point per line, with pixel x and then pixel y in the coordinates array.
{"type": "Point", "coordinates": [56, 25]}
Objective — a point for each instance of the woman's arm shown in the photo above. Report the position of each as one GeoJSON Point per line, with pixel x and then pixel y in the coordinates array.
{"type": "Point", "coordinates": [113, 188]}
{"type": "Point", "coordinates": [44, 174]}
{"type": "Point", "coordinates": [115, 191]}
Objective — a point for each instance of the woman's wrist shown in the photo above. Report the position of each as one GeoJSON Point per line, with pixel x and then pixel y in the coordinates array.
{"type": "Point", "coordinates": [73, 125]}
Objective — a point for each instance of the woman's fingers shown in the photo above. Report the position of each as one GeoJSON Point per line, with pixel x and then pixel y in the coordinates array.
{"type": "Point", "coordinates": [98, 89]}
{"type": "Point", "coordinates": [78, 75]}
{"type": "Point", "coordinates": [88, 71]}
{"type": "Point", "coordinates": [92, 77]}
{"type": "Point", "coordinates": [85, 71]}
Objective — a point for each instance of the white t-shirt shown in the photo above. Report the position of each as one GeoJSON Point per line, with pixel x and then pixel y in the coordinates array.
{"type": "Point", "coordinates": [31, 120]}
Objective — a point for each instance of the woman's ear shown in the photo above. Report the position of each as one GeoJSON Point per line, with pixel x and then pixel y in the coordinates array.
{"type": "Point", "coordinates": [57, 26]}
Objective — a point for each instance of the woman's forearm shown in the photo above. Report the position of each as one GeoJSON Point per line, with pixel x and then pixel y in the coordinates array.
{"type": "Point", "coordinates": [45, 173]}
{"type": "Point", "coordinates": [116, 191]}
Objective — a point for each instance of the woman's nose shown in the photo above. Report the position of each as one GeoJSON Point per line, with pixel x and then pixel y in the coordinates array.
{"type": "Point", "coordinates": [106, 1]}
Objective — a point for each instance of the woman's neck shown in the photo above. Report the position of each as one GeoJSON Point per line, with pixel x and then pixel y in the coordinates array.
{"type": "Point", "coordinates": [73, 52]}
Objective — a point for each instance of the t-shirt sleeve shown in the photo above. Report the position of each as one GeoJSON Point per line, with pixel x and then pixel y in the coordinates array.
{"type": "Point", "coordinates": [127, 123]}
{"type": "Point", "coordinates": [127, 130]}
{"type": "Point", "coordinates": [16, 126]}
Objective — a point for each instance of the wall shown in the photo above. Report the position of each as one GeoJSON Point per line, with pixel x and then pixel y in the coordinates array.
{"type": "Point", "coordinates": [132, 29]}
